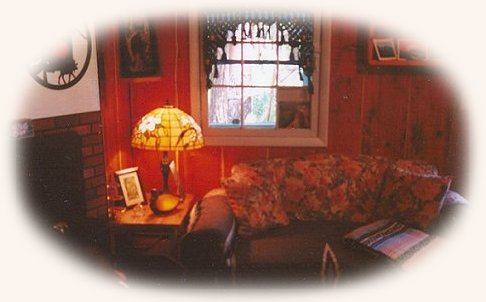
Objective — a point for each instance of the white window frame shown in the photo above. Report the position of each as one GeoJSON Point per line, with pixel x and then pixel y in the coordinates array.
{"type": "Point", "coordinates": [316, 136]}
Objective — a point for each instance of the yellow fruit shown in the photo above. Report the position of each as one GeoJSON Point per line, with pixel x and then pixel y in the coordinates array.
{"type": "Point", "coordinates": [166, 202]}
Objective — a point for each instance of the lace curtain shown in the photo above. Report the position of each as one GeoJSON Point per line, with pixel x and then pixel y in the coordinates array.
{"type": "Point", "coordinates": [292, 29]}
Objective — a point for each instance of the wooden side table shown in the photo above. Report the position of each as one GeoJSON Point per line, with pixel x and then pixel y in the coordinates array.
{"type": "Point", "coordinates": [139, 232]}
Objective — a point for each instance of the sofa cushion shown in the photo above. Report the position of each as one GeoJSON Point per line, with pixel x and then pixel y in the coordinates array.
{"type": "Point", "coordinates": [254, 200]}
{"type": "Point", "coordinates": [296, 251]}
{"type": "Point", "coordinates": [304, 186]}
{"type": "Point", "coordinates": [320, 186]}
{"type": "Point", "coordinates": [413, 199]}
{"type": "Point", "coordinates": [331, 187]}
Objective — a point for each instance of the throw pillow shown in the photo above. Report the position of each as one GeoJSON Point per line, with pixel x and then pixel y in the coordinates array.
{"type": "Point", "coordinates": [415, 166]}
{"type": "Point", "coordinates": [413, 199]}
{"type": "Point", "coordinates": [307, 188]}
{"type": "Point", "coordinates": [255, 201]}
{"type": "Point", "coordinates": [364, 175]}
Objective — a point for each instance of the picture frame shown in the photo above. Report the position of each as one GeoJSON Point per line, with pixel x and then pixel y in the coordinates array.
{"type": "Point", "coordinates": [130, 186]}
{"type": "Point", "coordinates": [387, 52]}
{"type": "Point", "coordinates": [138, 48]}
{"type": "Point", "coordinates": [385, 49]}
{"type": "Point", "coordinates": [411, 50]}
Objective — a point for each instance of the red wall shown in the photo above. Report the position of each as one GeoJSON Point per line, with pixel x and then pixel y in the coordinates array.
{"type": "Point", "coordinates": [388, 113]}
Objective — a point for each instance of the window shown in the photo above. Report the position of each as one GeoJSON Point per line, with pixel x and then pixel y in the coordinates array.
{"type": "Point", "coordinates": [253, 79]}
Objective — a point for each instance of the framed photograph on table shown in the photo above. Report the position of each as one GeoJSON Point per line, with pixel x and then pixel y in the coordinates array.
{"type": "Point", "coordinates": [138, 48]}
{"type": "Point", "coordinates": [130, 186]}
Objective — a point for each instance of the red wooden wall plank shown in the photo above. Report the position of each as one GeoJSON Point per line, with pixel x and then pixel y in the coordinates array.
{"type": "Point", "coordinates": [385, 104]}
{"type": "Point", "coordinates": [429, 121]}
{"type": "Point", "coordinates": [115, 113]}
{"type": "Point", "coordinates": [202, 170]}
{"type": "Point", "coordinates": [457, 163]}
{"type": "Point", "coordinates": [275, 152]}
{"type": "Point", "coordinates": [344, 128]}
{"type": "Point", "coordinates": [234, 155]}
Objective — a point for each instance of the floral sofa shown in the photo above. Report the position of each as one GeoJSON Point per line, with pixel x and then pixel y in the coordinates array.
{"type": "Point", "coordinates": [272, 218]}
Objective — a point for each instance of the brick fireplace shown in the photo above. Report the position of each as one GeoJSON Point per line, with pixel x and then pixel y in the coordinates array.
{"type": "Point", "coordinates": [88, 127]}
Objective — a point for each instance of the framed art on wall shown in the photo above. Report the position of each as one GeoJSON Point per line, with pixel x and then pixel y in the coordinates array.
{"type": "Point", "coordinates": [385, 49]}
{"type": "Point", "coordinates": [389, 50]}
{"type": "Point", "coordinates": [66, 62]}
{"type": "Point", "coordinates": [138, 48]}
{"type": "Point", "coordinates": [130, 186]}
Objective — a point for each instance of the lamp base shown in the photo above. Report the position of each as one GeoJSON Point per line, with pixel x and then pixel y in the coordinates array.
{"type": "Point", "coordinates": [163, 203]}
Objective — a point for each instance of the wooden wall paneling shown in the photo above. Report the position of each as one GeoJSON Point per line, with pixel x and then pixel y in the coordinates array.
{"type": "Point", "coordinates": [184, 99]}
{"type": "Point", "coordinates": [458, 149]}
{"type": "Point", "coordinates": [202, 170]}
{"type": "Point", "coordinates": [115, 112]}
{"type": "Point", "coordinates": [346, 52]}
{"type": "Point", "coordinates": [344, 135]}
{"type": "Point", "coordinates": [234, 155]}
{"type": "Point", "coordinates": [145, 96]}
{"type": "Point", "coordinates": [344, 131]}
{"type": "Point", "coordinates": [367, 112]}
{"type": "Point", "coordinates": [276, 152]}
{"type": "Point", "coordinates": [385, 104]}
{"type": "Point", "coordinates": [429, 121]}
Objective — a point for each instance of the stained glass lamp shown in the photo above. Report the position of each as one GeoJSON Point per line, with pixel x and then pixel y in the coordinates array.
{"type": "Point", "coordinates": [166, 129]}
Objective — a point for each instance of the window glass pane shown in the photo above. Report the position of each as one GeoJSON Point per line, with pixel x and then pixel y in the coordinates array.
{"type": "Point", "coordinates": [294, 115]}
{"type": "Point", "coordinates": [224, 107]}
{"type": "Point", "coordinates": [259, 75]}
{"type": "Point", "coordinates": [284, 53]}
{"type": "Point", "coordinates": [288, 75]}
{"type": "Point", "coordinates": [228, 74]}
{"type": "Point", "coordinates": [260, 51]}
{"type": "Point", "coordinates": [233, 52]}
{"type": "Point", "coordinates": [259, 107]}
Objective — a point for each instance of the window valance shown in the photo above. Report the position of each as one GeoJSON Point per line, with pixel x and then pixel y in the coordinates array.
{"type": "Point", "coordinates": [294, 29]}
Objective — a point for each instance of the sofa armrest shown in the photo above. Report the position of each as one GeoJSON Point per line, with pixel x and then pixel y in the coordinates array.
{"type": "Point", "coordinates": [453, 207]}
{"type": "Point", "coordinates": [208, 242]}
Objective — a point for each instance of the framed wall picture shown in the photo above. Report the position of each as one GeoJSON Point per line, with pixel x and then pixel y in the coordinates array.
{"type": "Point", "coordinates": [130, 186]}
{"type": "Point", "coordinates": [138, 48]}
{"type": "Point", "coordinates": [389, 50]}
{"type": "Point", "coordinates": [411, 50]}
{"type": "Point", "coordinates": [385, 49]}
{"type": "Point", "coordinates": [66, 62]}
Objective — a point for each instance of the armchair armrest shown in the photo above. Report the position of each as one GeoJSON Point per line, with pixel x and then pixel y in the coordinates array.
{"type": "Point", "coordinates": [207, 245]}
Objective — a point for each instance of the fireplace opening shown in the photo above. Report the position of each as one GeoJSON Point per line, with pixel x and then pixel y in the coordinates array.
{"type": "Point", "coordinates": [50, 176]}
